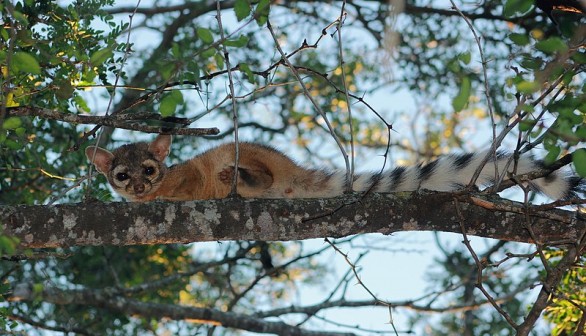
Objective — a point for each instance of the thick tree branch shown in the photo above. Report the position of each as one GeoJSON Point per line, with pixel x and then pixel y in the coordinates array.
{"type": "Point", "coordinates": [97, 223]}
{"type": "Point", "coordinates": [111, 299]}
{"type": "Point", "coordinates": [115, 302]}
{"type": "Point", "coordinates": [129, 121]}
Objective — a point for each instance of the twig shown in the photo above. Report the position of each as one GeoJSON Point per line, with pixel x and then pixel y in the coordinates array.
{"type": "Point", "coordinates": [111, 100]}
{"type": "Point", "coordinates": [295, 73]}
{"type": "Point", "coordinates": [480, 268]}
{"type": "Point", "coordinates": [349, 172]}
{"type": "Point", "coordinates": [486, 87]}
{"type": "Point", "coordinates": [363, 285]}
{"type": "Point", "coordinates": [233, 191]}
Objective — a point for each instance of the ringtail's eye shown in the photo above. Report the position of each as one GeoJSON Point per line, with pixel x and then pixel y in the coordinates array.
{"type": "Point", "coordinates": [149, 170]}
{"type": "Point", "coordinates": [122, 176]}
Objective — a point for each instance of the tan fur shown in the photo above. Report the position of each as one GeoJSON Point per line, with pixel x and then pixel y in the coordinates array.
{"type": "Point", "coordinates": [263, 172]}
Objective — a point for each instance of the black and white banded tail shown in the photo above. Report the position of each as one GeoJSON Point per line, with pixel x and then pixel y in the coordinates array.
{"type": "Point", "coordinates": [454, 172]}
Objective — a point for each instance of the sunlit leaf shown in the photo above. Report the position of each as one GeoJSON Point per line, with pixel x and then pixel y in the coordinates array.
{"type": "Point", "coordinates": [528, 86]}
{"type": "Point", "coordinates": [461, 100]}
{"type": "Point", "coordinates": [170, 102]}
{"type": "Point", "coordinates": [10, 102]}
{"type": "Point", "coordinates": [11, 123]}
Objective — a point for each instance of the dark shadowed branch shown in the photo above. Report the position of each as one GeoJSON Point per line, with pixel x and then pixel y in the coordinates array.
{"type": "Point", "coordinates": [129, 121]}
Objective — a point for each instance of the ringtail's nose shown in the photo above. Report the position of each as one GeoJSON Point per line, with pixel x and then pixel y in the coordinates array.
{"type": "Point", "coordinates": [138, 188]}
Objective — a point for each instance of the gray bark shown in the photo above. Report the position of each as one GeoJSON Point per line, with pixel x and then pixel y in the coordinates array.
{"type": "Point", "coordinates": [96, 223]}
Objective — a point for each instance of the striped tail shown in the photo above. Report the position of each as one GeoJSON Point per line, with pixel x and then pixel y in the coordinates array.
{"type": "Point", "coordinates": [454, 172]}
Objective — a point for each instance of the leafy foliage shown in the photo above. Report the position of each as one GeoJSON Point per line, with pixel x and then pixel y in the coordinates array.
{"type": "Point", "coordinates": [565, 312]}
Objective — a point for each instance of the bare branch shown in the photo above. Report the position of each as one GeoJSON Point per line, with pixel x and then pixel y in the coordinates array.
{"type": "Point", "coordinates": [295, 73]}
{"type": "Point", "coordinates": [129, 121]}
{"type": "Point", "coordinates": [115, 302]}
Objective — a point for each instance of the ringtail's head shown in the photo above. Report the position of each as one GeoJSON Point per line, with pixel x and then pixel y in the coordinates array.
{"type": "Point", "coordinates": [134, 171]}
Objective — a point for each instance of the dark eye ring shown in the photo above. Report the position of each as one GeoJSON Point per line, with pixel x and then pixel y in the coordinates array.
{"type": "Point", "coordinates": [122, 176]}
{"type": "Point", "coordinates": [149, 170]}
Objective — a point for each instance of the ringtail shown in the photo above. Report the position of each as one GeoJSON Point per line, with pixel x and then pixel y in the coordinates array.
{"type": "Point", "coordinates": [137, 172]}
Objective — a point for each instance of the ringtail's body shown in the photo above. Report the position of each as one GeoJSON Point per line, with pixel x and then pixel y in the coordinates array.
{"type": "Point", "coordinates": [138, 172]}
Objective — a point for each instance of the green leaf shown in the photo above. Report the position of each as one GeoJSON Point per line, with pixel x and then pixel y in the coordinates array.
{"type": "Point", "coordinates": [100, 56]}
{"type": "Point", "coordinates": [581, 132]}
{"type": "Point", "coordinates": [12, 123]}
{"type": "Point", "coordinates": [167, 70]}
{"type": "Point", "coordinates": [175, 51]}
{"type": "Point", "coordinates": [461, 100]}
{"type": "Point", "coordinates": [169, 103]}
{"type": "Point", "coordinates": [239, 43]}
{"type": "Point", "coordinates": [21, 18]}
{"type": "Point", "coordinates": [552, 155]}
{"type": "Point", "coordinates": [528, 108]}
{"type": "Point", "coordinates": [25, 62]}
{"type": "Point", "coordinates": [261, 13]}
{"type": "Point", "coordinates": [11, 144]}
{"type": "Point", "coordinates": [4, 34]}
{"type": "Point", "coordinates": [8, 244]}
{"type": "Point", "coordinates": [520, 39]}
{"type": "Point", "coordinates": [552, 45]}
{"type": "Point", "coordinates": [526, 125]}
{"type": "Point", "coordinates": [579, 160]}
{"type": "Point", "coordinates": [205, 35]}
{"type": "Point", "coordinates": [64, 89]}
{"type": "Point", "coordinates": [242, 9]}
{"type": "Point", "coordinates": [465, 57]}
{"type": "Point", "coordinates": [20, 131]}
{"type": "Point", "coordinates": [246, 69]}
{"type": "Point", "coordinates": [219, 60]}
{"type": "Point", "coordinates": [579, 57]}
{"type": "Point", "coordinates": [531, 63]}
{"type": "Point", "coordinates": [208, 53]}
{"type": "Point", "coordinates": [38, 288]}
{"type": "Point", "coordinates": [81, 104]}
{"type": "Point", "coordinates": [528, 87]}
{"type": "Point", "coordinates": [517, 7]}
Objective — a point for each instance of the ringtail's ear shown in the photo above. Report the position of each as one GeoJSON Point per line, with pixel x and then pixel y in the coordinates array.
{"type": "Point", "coordinates": [160, 146]}
{"type": "Point", "coordinates": [102, 159]}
